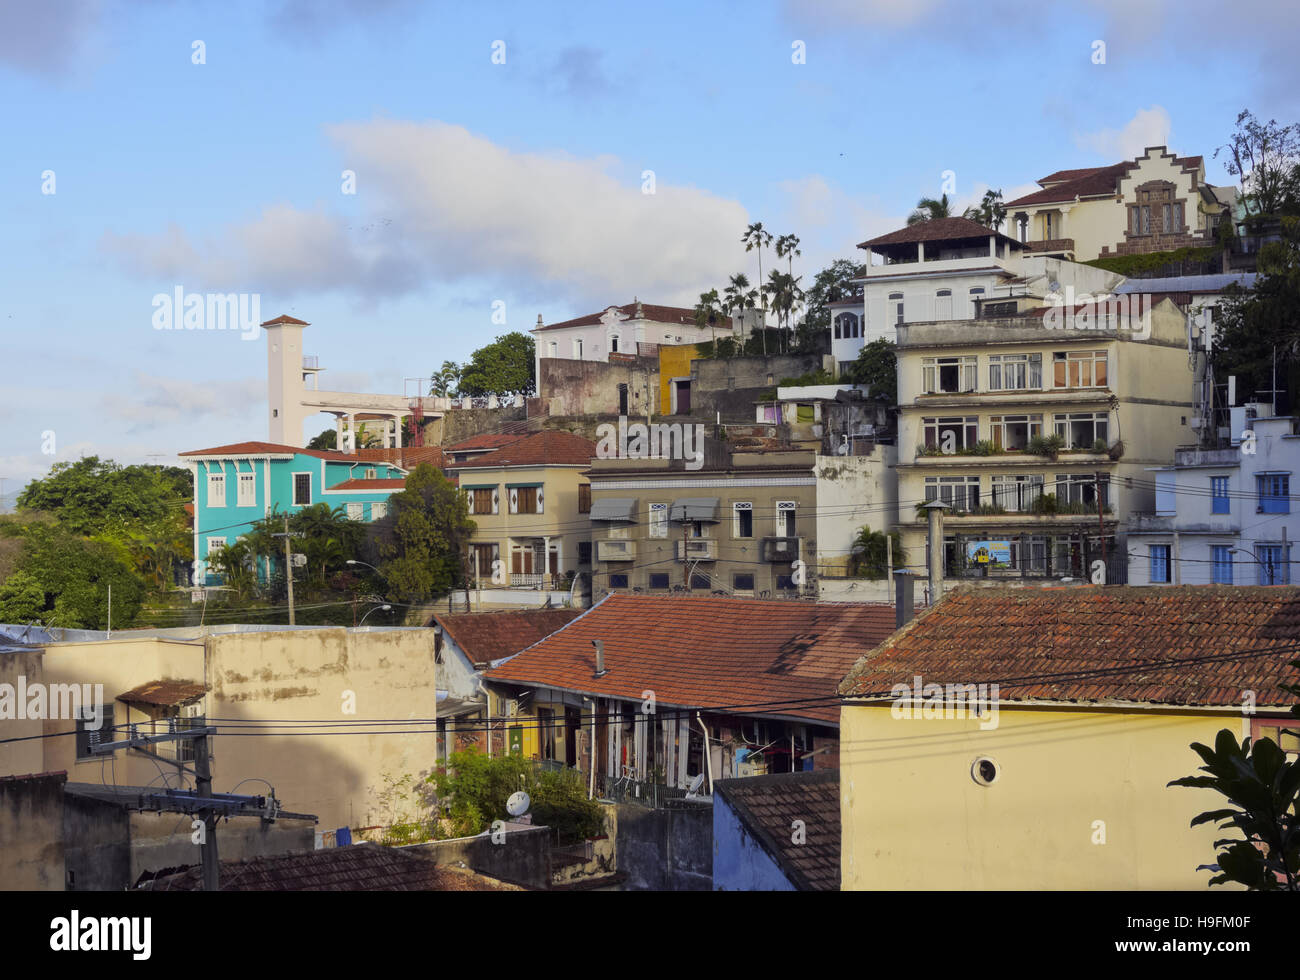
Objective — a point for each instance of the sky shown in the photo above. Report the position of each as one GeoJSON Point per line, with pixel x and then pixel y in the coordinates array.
{"type": "Point", "coordinates": [403, 174]}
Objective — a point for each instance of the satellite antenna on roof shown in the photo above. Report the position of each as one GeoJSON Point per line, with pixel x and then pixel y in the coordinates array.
{"type": "Point", "coordinates": [694, 790]}
{"type": "Point", "coordinates": [518, 803]}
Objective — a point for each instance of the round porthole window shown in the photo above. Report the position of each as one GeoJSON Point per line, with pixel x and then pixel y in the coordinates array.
{"type": "Point", "coordinates": [985, 771]}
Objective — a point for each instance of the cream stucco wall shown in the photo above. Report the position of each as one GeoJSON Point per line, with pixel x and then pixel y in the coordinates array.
{"type": "Point", "coordinates": [913, 816]}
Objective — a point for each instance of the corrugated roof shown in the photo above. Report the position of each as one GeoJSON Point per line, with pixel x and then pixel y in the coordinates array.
{"type": "Point", "coordinates": [767, 806]}
{"type": "Point", "coordinates": [1177, 645]}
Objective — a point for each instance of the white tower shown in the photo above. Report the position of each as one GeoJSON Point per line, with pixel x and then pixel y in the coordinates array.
{"type": "Point", "coordinates": [286, 374]}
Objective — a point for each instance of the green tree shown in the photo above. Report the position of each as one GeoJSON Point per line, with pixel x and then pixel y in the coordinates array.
{"type": "Point", "coordinates": [1265, 157]}
{"type": "Point", "coordinates": [869, 557]}
{"type": "Point", "coordinates": [930, 208]}
{"type": "Point", "coordinates": [21, 599]}
{"type": "Point", "coordinates": [757, 238]}
{"type": "Point", "coordinates": [708, 311]}
{"type": "Point", "coordinates": [504, 367]}
{"type": "Point", "coordinates": [877, 367]}
{"type": "Point", "coordinates": [832, 284]}
{"type": "Point", "coordinates": [786, 296]}
{"type": "Point", "coordinates": [327, 439]}
{"type": "Point", "coordinates": [446, 380]}
{"type": "Point", "coordinates": [237, 565]}
{"type": "Point", "coordinates": [89, 495]}
{"type": "Point", "coordinates": [990, 212]}
{"type": "Point", "coordinates": [74, 574]}
{"type": "Point", "coordinates": [420, 543]}
{"type": "Point", "coordinates": [1263, 788]}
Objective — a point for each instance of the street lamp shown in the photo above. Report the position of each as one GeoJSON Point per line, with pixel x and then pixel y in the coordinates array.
{"type": "Point", "coordinates": [1267, 567]}
{"type": "Point", "coordinates": [353, 561]}
{"type": "Point", "coordinates": [385, 607]}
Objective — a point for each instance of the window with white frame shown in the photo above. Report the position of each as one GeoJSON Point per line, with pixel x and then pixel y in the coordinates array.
{"type": "Point", "coordinates": [742, 519]}
{"type": "Point", "coordinates": [949, 374]}
{"type": "Point", "coordinates": [1081, 429]}
{"type": "Point", "coordinates": [950, 433]}
{"type": "Point", "coordinates": [785, 518]}
{"type": "Point", "coordinates": [1015, 372]}
{"type": "Point", "coordinates": [1029, 554]}
{"type": "Point", "coordinates": [247, 490]}
{"type": "Point", "coordinates": [354, 511]}
{"type": "Point", "coordinates": [1011, 432]}
{"type": "Point", "coordinates": [526, 500]}
{"type": "Point", "coordinates": [1017, 493]}
{"type": "Point", "coordinates": [961, 493]}
{"type": "Point", "coordinates": [896, 306]}
{"type": "Point", "coordinates": [378, 509]}
{"type": "Point", "coordinates": [371, 473]}
{"type": "Point", "coordinates": [1082, 488]}
{"type": "Point", "coordinates": [301, 489]}
{"type": "Point", "coordinates": [217, 489]}
{"type": "Point", "coordinates": [215, 545]}
{"type": "Point", "coordinates": [658, 527]}
{"type": "Point", "coordinates": [1079, 369]}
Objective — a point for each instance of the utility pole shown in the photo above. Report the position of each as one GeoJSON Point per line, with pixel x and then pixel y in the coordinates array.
{"type": "Point", "coordinates": [1101, 523]}
{"type": "Point", "coordinates": [203, 783]}
{"type": "Point", "coordinates": [288, 564]}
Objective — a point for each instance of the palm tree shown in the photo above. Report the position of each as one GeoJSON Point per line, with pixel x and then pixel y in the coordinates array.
{"type": "Point", "coordinates": [788, 245]}
{"type": "Point", "coordinates": [786, 293]}
{"type": "Point", "coordinates": [707, 311]}
{"type": "Point", "coordinates": [739, 296]}
{"type": "Point", "coordinates": [927, 209]}
{"type": "Point", "coordinates": [990, 212]}
{"type": "Point", "coordinates": [755, 237]}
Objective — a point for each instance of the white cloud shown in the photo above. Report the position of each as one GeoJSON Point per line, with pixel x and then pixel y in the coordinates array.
{"type": "Point", "coordinates": [156, 402]}
{"type": "Point", "coordinates": [1148, 127]}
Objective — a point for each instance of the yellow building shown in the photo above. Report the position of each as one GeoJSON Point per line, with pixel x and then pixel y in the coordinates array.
{"type": "Point", "coordinates": [1024, 739]}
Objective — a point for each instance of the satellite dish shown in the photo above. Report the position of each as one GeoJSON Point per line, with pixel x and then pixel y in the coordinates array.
{"type": "Point", "coordinates": [696, 783]}
{"type": "Point", "coordinates": [518, 803]}
{"type": "Point", "coordinates": [1054, 286]}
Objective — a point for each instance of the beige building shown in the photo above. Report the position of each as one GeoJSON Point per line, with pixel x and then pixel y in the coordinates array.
{"type": "Point", "coordinates": [1157, 202]}
{"type": "Point", "coordinates": [530, 502]}
{"type": "Point", "coordinates": [1037, 429]}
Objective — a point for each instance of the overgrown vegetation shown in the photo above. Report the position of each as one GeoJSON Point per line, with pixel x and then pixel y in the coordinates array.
{"type": "Point", "coordinates": [871, 551]}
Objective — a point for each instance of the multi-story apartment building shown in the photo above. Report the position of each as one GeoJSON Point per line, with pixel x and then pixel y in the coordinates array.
{"type": "Point", "coordinates": [737, 525]}
{"type": "Point", "coordinates": [1037, 434]}
{"type": "Point", "coordinates": [530, 501]}
{"type": "Point", "coordinates": [1222, 516]}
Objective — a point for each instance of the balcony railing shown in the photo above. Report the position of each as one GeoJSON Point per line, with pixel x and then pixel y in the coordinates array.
{"type": "Point", "coordinates": [1050, 245]}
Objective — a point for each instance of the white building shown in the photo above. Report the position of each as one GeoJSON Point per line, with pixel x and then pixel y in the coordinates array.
{"type": "Point", "coordinates": [1223, 516]}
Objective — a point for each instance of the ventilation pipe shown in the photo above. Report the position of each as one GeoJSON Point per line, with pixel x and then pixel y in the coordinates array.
{"type": "Point", "coordinates": [934, 511]}
{"type": "Point", "coordinates": [600, 657]}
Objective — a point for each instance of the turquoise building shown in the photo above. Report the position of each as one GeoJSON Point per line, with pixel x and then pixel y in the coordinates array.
{"type": "Point", "coordinates": [237, 485]}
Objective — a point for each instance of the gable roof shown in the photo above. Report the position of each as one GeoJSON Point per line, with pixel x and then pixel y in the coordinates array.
{"type": "Point", "coordinates": [1199, 645]}
{"type": "Point", "coordinates": [773, 657]}
{"type": "Point", "coordinates": [489, 636]}
{"type": "Point", "coordinates": [406, 457]}
{"type": "Point", "coordinates": [550, 447]}
{"type": "Point", "coordinates": [286, 318]}
{"type": "Point", "coordinates": [1094, 182]}
{"type": "Point", "coordinates": [767, 804]}
{"type": "Point", "coordinates": [937, 230]}
{"type": "Point", "coordinates": [681, 315]}
{"type": "Point", "coordinates": [268, 449]}
{"type": "Point", "coordinates": [356, 868]}
{"type": "Point", "coordinates": [1061, 176]}
{"type": "Point", "coordinates": [380, 483]}
{"type": "Point", "coordinates": [484, 441]}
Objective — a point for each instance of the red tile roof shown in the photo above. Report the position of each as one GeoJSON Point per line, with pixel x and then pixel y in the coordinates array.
{"type": "Point", "coordinates": [660, 314]}
{"type": "Point", "coordinates": [763, 657]}
{"type": "Point", "coordinates": [268, 449]}
{"type": "Point", "coordinates": [489, 636]}
{"type": "Point", "coordinates": [1178, 645]}
{"type": "Point", "coordinates": [285, 318]}
{"type": "Point", "coordinates": [164, 693]}
{"type": "Point", "coordinates": [486, 440]}
{"type": "Point", "coordinates": [1095, 182]}
{"type": "Point", "coordinates": [394, 484]}
{"type": "Point", "coordinates": [936, 230]}
{"type": "Point", "coordinates": [356, 868]}
{"type": "Point", "coordinates": [767, 804]}
{"type": "Point", "coordinates": [407, 457]}
{"type": "Point", "coordinates": [1063, 175]}
{"type": "Point", "coordinates": [550, 447]}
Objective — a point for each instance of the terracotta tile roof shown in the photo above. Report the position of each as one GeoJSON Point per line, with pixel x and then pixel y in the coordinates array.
{"type": "Point", "coordinates": [268, 449]}
{"type": "Point", "coordinates": [486, 440]}
{"type": "Point", "coordinates": [165, 693]}
{"type": "Point", "coordinates": [407, 457]}
{"type": "Point", "coordinates": [1181, 645]}
{"type": "Point", "coordinates": [489, 636]}
{"type": "Point", "coordinates": [1095, 182]}
{"type": "Point", "coordinates": [394, 484]}
{"type": "Point", "coordinates": [356, 868]}
{"type": "Point", "coordinates": [767, 805]}
{"type": "Point", "coordinates": [286, 318]}
{"type": "Point", "coordinates": [936, 230]}
{"type": "Point", "coordinates": [58, 774]}
{"type": "Point", "coordinates": [1063, 175]}
{"type": "Point", "coordinates": [548, 447]}
{"type": "Point", "coordinates": [662, 314]}
{"type": "Point", "coordinates": [709, 652]}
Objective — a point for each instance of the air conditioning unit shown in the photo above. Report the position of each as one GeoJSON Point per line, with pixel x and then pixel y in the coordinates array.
{"type": "Point", "coordinates": [615, 550]}
{"type": "Point", "coordinates": [697, 549]}
{"type": "Point", "coordinates": [780, 549]}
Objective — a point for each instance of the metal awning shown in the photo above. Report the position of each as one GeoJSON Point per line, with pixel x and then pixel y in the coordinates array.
{"type": "Point", "coordinates": [614, 509]}
{"type": "Point", "coordinates": [694, 509]}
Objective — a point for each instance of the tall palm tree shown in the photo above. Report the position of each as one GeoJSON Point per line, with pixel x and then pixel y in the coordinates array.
{"type": "Point", "coordinates": [786, 294]}
{"type": "Point", "coordinates": [707, 311]}
{"type": "Point", "coordinates": [990, 212]}
{"type": "Point", "coordinates": [928, 208]}
{"type": "Point", "coordinates": [788, 245]}
{"type": "Point", "coordinates": [739, 296]}
{"type": "Point", "coordinates": [756, 237]}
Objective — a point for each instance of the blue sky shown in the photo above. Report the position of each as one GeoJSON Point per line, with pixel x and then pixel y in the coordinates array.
{"type": "Point", "coordinates": [518, 181]}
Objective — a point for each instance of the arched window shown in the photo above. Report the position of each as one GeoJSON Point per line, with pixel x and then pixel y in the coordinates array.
{"type": "Point", "coordinates": [838, 322]}
{"type": "Point", "coordinates": [896, 302]}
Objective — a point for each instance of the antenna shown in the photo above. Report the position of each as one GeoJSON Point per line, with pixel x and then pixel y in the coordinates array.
{"type": "Point", "coordinates": [518, 803]}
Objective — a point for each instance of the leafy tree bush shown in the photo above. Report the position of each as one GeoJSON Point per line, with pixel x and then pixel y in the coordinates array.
{"type": "Point", "coordinates": [419, 544]}
{"type": "Point", "coordinates": [877, 367]}
{"type": "Point", "coordinates": [870, 554]}
{"type": "Point", "coordinates": [504, 367]}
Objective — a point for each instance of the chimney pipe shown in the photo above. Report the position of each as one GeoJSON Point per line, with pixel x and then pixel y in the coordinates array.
{"type": "Point", "coordinates": [904, 598]}
{"type": "Point", "coordinates": [934, 511]}
{"type": "Point", "coordinates": [600, 657]}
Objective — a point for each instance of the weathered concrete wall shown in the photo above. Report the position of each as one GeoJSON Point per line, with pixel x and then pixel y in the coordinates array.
{"type": "Point", "coordinates": [732, 385]}
{"type": "Point", "coordinates": [522, 858]}
{"type": "Point", "coordinates": [665, 850]}
{"type": "Point", "coordinates": [591, 387]}
{"type": "Point", "coordinates": [20, 758]}
{"type": "Point", "coordinates": [157, 841]}
{"type": "Point", "coordinates": [461, 423]}
{"type": "Point", "coordinates": [31, 833]}
{"type": "Point", "coordinates": [98, 844]}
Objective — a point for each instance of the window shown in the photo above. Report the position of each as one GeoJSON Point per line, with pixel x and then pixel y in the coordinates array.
{"type": "Point", "coordinates": [525, 500]}
{"type": "Point", "coordinates": [837, 328]}
{"type": "Point", "coordinates": [215, 545]}
{"type": "Point", "coordinates": [785, 583]}
{"type": "Point", "coordinates": [977, 293]}
{"type": "Point", "coordinates": [482, 500]}
{"type": "Point", "coordinates": [943, 304]}
{"type": "Point", "coordinates": [378, 509]}
{"type": "Point", "coordinates": [1015, 372]}
{"type": "Point", "coordinates": [104, 733]}
{"type": "Point", "coordinates": [247, 490]}
{"type": "Point", "coordinates": [1030, 554]}
{"type": "Point", "coordinates": [1012, 432]}
{"type": "Point", "coordinates": [301, 489]}
{"type": "Point", "coordinates": [371, 472]}
{"type": "Point", "coordinates": [962, 493]}
{"type": "Point", "coordinates": [216, 489]}
{"type": "Point", "coordinates": [584, 498]}
{"type": "Point", "coordinates": [785, 518]}
{"type": "Point", "coordinates": [742, 522]}
{"type": "Point", "coordinates": [577, 350]}
{"type": "Point", "coordinates": [555, 349]}
{"type": "Point", "coordinates": [896, 304]}
{"type": "Point", "coordinates": [659, 580]}
{"type": "Point", "coordinates": [1079, 369]}
{"type": "Point", "coordinates": [1081, 488]}
{"type": "Point", "coordinates": [1274, 492]}
{"type": "Point", "coordinates": [701, 580]}
{"type": "Point", "coordinates": [1222, 556]}
{"type": "Point", "coordinates": [743, 582]}
{"type": "Point", "coordinates": [1160, 563]}
{"type": "Point", "coordinates": [949, 374]}
{"type": "Point", "coordinates": [948, 434]}
{"type": "Point", "coordinates": [1284, 733]}
{"type": "Point", "coordinates": [1178, 217]}
{"type": "Point", "coordinates": [1274, 564]}
{"type": "Point", "coordinates": [618, 581]}
{"type": "Point", "coordinates": [584, 552]}
{"type": "Point", "coordinates": [658, 520]}
{"type": "Point", "coordinates": [1081, 429]}
{"type": "Point", "coordinates": [613, 344]}
{"type": "Point", "coordinates": [1219, 503]}
{"type": "Point", "coordinates": [1017, 493]}
{"type": "Point", "coordinates": [354, 512]}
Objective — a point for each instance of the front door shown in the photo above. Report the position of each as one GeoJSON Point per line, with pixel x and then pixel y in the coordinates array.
{"type": "Point", "coordinates": [683, 406]}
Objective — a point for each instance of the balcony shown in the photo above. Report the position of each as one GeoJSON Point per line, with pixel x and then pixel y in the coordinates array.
{"type": "Point", "coordinates": [697, 549]}
{"type": "Point", "coordinates": [780, 549]}
{"type": "Point", "coordinates": [1206, 457]}
{"type": "Point", "coordinates": [1049, 246]}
